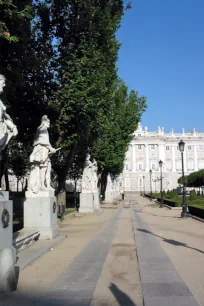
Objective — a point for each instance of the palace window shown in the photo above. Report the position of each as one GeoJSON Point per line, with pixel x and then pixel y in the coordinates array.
{"type": "Point", "coordinates": [168, 165]}
{"type": "Point", "coordinates": [167, 148]}
{"type": "Point", "coordinates": [190, 166]}
{"type": "Point", "coordinates": [178, 165]}
{"type": "Point", "coordinates": [200, 147]}
{"type": "Point", "coordinates": [201, 164]}
{"type": "Point", "coordinates": [140, 166]}
{"type": "Point", "coordinates": [139, 147]}
{"type": "Point", "coordinates": [152, 146]}
{"type": "Point", "coordinates": [189, 148]}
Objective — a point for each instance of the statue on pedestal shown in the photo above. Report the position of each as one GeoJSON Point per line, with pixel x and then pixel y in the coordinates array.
{"type": "Point", "coordinates": [89, 178]}
{"type": "Point", "coordinates": [7, 127]}
{"type": "Point", "coordinates": [40, 174]}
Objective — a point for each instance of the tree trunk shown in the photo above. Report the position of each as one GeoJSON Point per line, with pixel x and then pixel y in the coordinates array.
{"type": "Point", "coordinates": [103, 184]}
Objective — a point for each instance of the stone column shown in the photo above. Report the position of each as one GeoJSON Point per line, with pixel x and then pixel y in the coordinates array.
{"type": "Point", "coordinates": [147, 158]}
{"type": "Point", "coordinates": [133, 158]}
{"type": "Point", "coordinates": [173, 159]}
{"type": "Point", "coordinates": [196, 158]}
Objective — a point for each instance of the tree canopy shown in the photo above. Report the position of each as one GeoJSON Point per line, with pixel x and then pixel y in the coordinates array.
{"type": "Point", "coordinates": [60, 59]}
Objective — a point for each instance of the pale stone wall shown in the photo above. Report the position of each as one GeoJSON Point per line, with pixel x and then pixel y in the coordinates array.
{"type": "Point", "coordinates": [147, 148]}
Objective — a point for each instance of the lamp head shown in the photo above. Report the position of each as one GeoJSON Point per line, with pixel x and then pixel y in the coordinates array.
{"type": "Point", "coordinates": [160, 163]}
{"type": "Point", "coordinates": [181, 146]}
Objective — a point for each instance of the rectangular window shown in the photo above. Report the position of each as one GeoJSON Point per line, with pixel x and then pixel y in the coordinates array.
{"type": "Point", "coordinates": [152, 146]}
{"type": "Point", "coordinates": [126, 167]}
{"type": "Point", "coordinates": [139, 135]}
{"type": "Point", "coordinates": [168, 165]}
{"type": "Point", "coordinates": [178, 165]}
{"type": "Point", "coordinates": [200, 147]}
{"type": "Point", "coordinates": [201, 164]}
{"type": "Point", "coordinates": [139, 147]}
{"type": "Point", "coordinates": [167, 148]}
{"type": "Point", "coordinates": [140, 166]}
{"type": "Point", "coordinates": [189, 148]}
{"type": "Point", "coordinates": [190, 166]}
{"type": "Point", "coordinates": [153, 167]}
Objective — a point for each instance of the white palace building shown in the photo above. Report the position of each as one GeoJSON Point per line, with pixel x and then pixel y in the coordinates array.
{"type": "Point", "coordinates": [148, 148]}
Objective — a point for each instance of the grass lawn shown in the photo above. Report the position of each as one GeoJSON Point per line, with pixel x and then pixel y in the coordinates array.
{"type": "Point", "coordinates": [198, 202]}
{"type": "Point", "coordinates": [67, 212]}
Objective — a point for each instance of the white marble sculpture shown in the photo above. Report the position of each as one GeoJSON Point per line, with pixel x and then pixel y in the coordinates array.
{"type": "Point", "coordinates": [40, 174]}
{"type": "Point", "coordinates": [7, 127]}
{"type": "Point", "coordinates": [89, 179]}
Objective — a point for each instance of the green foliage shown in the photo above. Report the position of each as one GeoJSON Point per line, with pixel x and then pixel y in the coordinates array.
{"type": "Point", "coordinates": [63, 64]}
{"type": "Point", "coordinates": [12, 13]}
{"type": "Point", "coordinates": [180, 180]}
{"type": "Point", "coordinates": [193, 195]}
{"type": "Point", "coordinates": [196, 179]}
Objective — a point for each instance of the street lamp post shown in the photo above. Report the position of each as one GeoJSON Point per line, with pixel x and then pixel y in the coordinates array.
{"type": "Point", "coordinates": [161, 191]}
{"type": "Point", "coordinates": [143, 186]}
{"type": "Point", "coordinates": [150, 173]}
{"type": "Point", "coordinates": [184, 213]}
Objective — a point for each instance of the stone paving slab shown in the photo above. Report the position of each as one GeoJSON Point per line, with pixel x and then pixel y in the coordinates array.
{"type": "Point", "coordinates": [161, 283]}
{"type": "Point", "coordinates": [76, 285]}
{"type": "Point", "coordinates": [39, 248]}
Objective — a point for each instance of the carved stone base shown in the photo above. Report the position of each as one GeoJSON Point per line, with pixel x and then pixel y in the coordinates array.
{"type": "Point", "coordinates": [109, 196]}
{"type": "Point", "coordinates": [40, 214]}
{"type": "Point", "coordinates": [8, 281]}
{"type": "Point", "coordinates": [96, 201]}
{"type": "Point", "coordinates": [89, 202]}
{"type": "Point", "coordinates": [40, 194]}
{"type": "Point", "coordinates": [86, 203]}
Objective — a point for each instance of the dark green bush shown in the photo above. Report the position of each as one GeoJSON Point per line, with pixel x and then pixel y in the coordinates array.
{"type": "Point", "coordinates": [193, 195]}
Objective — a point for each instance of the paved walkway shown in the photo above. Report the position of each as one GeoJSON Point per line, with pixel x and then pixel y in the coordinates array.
{"type": "Point", "coordinates": [92, 259]}
{"type": "Point", "coordinates": [161, 232]}
{"type": "Point", "coordinates": [97, 264]}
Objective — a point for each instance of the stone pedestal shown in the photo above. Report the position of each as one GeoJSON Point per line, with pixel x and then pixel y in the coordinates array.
{"type": "Point", "coordinates": [40, 213]}
{"type": "Point", "coordinates": [109, 196]}
{"type": "Point", "coordinates": [96, 201]}
{"type": "Point", "coordinates": [89, 202]}
{"type": "Point", "coordinates": [8, 281]}
{"type": "Point", "coordinates": [86, 202]}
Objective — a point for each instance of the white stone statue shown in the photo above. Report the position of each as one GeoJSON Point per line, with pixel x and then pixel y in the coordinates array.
{"type": "Point", "coordinates": [95, 176]}
{"type": "Point", "coordinates": [40, 174]}
{"type": "Point", "coordinates": [89, 176]}
{"type": "Point", "coordinates": [7, 127]}
{"type": "Point", "coordinates": [109, 185]}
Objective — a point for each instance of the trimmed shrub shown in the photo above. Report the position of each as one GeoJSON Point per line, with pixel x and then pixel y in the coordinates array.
{"type": "Point", "coordinates": [193, 195]}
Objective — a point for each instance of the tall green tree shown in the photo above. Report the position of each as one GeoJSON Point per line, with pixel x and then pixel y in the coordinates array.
{"type": "Point", "coordinates": [117, 131]}
{"type": "Point", "coordinates": [88, 49]}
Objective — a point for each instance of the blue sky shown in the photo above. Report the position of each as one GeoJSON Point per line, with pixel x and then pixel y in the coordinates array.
{"type": "Point", "coordinates": [162, 57]}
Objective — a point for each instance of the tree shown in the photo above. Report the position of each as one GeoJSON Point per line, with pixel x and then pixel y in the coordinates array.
{"type": "Point", "coordinates": [180, 180]}
{"type": "Point", "coordinates": [117, 131]}
{"type": "Point", "coordinates": [88, 50]}
{"type": "Point", "coordinates": [28, 64]}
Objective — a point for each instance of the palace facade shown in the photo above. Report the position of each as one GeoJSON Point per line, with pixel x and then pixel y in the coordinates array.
{"type": "Point", "coordinates": [148, 148]}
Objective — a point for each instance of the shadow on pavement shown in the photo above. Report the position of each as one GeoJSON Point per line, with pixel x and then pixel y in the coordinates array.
{"type": "Point", "coordinates": [122, 298]}
{"type": "Point", "coordinates": [171, 241]}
